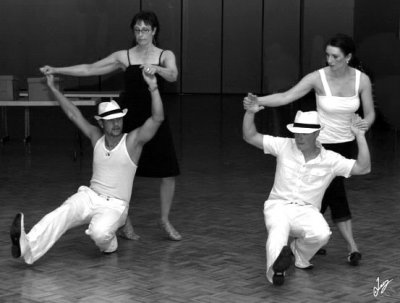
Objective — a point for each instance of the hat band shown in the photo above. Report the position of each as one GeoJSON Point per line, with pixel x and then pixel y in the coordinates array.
{"type": "Point", "coordinates": [305, 125]}
{"type": "Point", "coordinates": [115, 111]}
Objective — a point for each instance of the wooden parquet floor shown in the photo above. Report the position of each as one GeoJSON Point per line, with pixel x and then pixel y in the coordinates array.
{"type": "Point", "coordinates": [218, 209]}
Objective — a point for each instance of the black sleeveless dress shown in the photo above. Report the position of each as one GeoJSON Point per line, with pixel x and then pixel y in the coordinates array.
{"type": "Point", "coordinates": [158, 158]}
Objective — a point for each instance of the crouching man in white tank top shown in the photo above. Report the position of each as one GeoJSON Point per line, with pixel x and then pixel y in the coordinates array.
{"type": "Point", "coordinates": [104, 204]}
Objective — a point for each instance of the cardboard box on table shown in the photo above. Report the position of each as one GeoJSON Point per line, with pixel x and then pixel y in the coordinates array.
{"type": "Point", "coordinates": [9, 88]}
{"type": "Point", "coordinates": [39, 91]}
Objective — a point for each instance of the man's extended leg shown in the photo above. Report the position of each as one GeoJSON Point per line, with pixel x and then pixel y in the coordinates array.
{"type": "Point", "coordinates": [50, 228]}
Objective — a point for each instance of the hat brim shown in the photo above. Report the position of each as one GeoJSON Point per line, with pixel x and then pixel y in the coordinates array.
{"type": "Point", "coordinates": [112, 116]}
{"type": "Point", "coordinates": [301, 130]}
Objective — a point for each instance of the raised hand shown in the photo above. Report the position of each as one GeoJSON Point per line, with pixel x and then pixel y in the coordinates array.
{"type": "Point", "coordinates": [149, 69]}
{"type": "Point", "coordinates": [250, 103]}
{"type": "Point", "coordinates": [50, 80]}
{"type": "Point", "coordinates": [47, 70]}
{"type": "Point", "coordinates": [358, 128]}
{"type": "Point", "coordinates": [150, 79]}
{"type": "Point", "coordinates": [359, 123]}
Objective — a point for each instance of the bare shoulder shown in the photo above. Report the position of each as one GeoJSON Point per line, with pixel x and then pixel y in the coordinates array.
{"type": "Point", "coordinates": [121, 57]}
{"type": "Point", "coordinates": [167, 52]}
{"type": "Point", "coordinates": [313, 76]}
{"type": "Point", "coordinates": [167, 55]}
{"type": "Point", "coordinates": [117, 55]}
{"type": "Point", "coordinates": [312, 79]}
{"type": "Point", "coordinates": [365, 81]}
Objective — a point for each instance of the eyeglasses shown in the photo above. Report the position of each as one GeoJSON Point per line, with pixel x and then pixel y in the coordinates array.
{"type": "Point", "coordinates": [144, 30]}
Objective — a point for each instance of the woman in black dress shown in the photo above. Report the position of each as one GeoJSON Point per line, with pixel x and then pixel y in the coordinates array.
{"type": "Point", "coordinates": [158, 159]}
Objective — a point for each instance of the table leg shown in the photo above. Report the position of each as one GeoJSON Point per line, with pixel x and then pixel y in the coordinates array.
{"type": "Point", "coordinates": [5, 138]}
{"type": "Point", "coordinates": [27, 139]}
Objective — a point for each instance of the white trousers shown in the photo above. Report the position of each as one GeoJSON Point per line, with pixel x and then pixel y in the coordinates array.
{"type": "Point", "coordinates": [103, 214]}
{"type": "Point", "coordinates": [304, 223]}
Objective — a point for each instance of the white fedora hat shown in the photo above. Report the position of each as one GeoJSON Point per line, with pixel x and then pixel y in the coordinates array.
{"type": "Point", "coordinates": [110, 110]}
{"type": "Point", "coordinates": [305, 123]}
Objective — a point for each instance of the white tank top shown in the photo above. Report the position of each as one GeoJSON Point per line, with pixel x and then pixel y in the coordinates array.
{"type": "Point", "coordinates": [336, 113]}
{"type": "Point", "coordinates": [113, 170]}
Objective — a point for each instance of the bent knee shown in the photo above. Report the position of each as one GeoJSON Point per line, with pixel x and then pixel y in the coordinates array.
{"type": "Point", "coordinates": [323, 236]}
{"type": "Point", "coordinates": [275, 220]}
{"type": "Point", "coordinates": [100, 235]}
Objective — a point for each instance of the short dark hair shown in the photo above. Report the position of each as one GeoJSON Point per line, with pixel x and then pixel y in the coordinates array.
{"type": "Point", "coordinates": [148, 18]}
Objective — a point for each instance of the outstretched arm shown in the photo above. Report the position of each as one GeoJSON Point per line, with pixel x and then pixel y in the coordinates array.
{"type": "Point", "coordinates": [250, 134]}
{"type": "Point", "coordinates": [296, 92]}
{"type": "Point", "coordinates": [73, 113]}
{"type": "Point", "coordinates": [168, 70]}
{"type": "Point", "coordinates": [363, 162]}
{"type": "Point", "coordinates": [101, 67]}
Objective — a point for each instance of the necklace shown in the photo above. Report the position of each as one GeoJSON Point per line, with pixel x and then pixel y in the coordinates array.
{"type": "Point", "coordinates": [110, 143]}
{"type": "Point", "coordinates": [109, 148]}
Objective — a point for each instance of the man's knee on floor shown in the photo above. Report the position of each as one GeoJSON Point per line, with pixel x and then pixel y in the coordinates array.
{"type": "Point", "coordinates": [100, 235]}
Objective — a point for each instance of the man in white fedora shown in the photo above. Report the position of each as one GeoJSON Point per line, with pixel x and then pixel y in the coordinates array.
{"type": "Point", "coordinates": [104, 204]}
{"type": "Point", "coordinates": [304, 170]}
